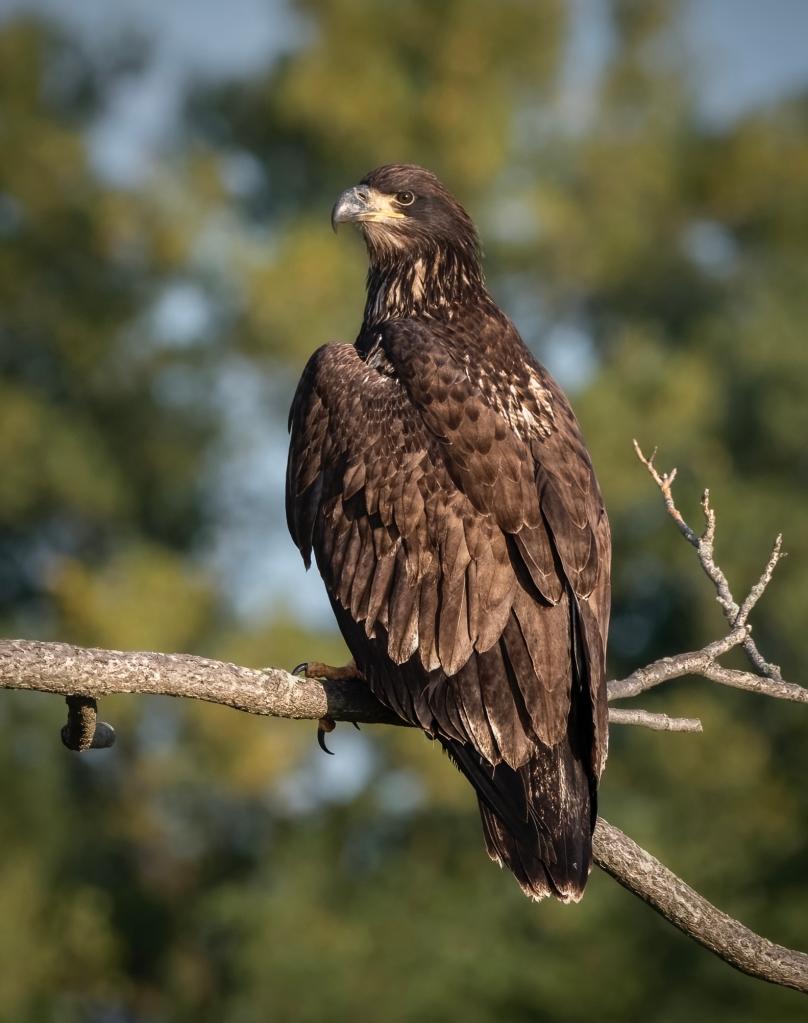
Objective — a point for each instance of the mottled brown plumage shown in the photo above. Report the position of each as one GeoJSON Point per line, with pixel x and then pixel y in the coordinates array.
{"type": "Point", "coordinates": [439, 476]}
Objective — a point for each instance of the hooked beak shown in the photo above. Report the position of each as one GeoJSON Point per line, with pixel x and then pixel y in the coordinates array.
{"type": "Point", "coordinates": [362, 203]}
{"type": "Point", "coordinates": [351, 206]}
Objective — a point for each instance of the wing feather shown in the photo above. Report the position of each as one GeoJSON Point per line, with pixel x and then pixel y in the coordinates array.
{"type": "Point", "coordinates": [502, 714]}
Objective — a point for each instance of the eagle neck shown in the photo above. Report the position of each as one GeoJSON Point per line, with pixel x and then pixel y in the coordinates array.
{"type": "Point", "coordinates": [430, 284]}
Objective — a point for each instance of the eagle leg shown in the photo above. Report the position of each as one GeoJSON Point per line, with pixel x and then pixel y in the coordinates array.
{"type": "Point", "coordinates": [328, 672]}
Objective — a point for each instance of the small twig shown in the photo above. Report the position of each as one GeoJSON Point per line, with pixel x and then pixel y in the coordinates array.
{"type": "Point", "coordinates": [737, 615]}
{"type": "Point", "coordinates": [704, 544]}
{"type": "Point", "coordinates": [83, 730]}
{"type": "Point", "coordinates": [752, 683]}
{"type": "Point", "coordinates": [657, 722]}
{"type": "Point", "coordinates": [758, 661]}
{"type": "Point", "coordinates": [78, 733]}
{"type": "Point", "coordinates": [758, 589]}
{"type": "Point", "coordinates": [665, 481]}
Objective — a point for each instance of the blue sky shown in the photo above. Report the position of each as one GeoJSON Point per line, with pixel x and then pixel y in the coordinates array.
{"type": "Point", "coordinates": [748, 52]}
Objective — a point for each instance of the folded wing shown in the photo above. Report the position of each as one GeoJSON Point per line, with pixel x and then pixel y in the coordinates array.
{"type": "Point", "coordinates": [467, 564]}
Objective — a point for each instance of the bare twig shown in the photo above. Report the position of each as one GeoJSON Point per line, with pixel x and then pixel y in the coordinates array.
{"type": "Point", "coordinates": [665, 481]}
{"type": "Point", "coordinates": [644, 876]}
{"type": "Point", "coordinates": [657, 722]}
{"type": "Point", "coordinates": [758, 589]}
{"type": "Point", "coordinates": [736, 615]}
{"type": "Point", "coordinates": [83, 730]}
{"type": "Point", "coordinates": [752, 683]}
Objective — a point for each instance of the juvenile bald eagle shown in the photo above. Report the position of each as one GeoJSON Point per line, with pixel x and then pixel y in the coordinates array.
{"type": "Point", "coordinates": [440, 477]}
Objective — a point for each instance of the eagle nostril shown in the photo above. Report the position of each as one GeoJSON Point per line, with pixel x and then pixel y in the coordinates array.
{"type": "Point", "coordinates": [362, 193]}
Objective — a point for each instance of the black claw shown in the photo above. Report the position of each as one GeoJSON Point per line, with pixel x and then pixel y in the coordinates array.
{"type": "Point", "coordinates": [301, 669]}
{"type": "Point", "coordinates": [356, 726]}
{"type": "Point", "coordinates": [321, 742]}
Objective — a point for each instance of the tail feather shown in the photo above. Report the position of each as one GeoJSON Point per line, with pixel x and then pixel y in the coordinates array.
{"type": "Point", "coordinates": [537, 819]}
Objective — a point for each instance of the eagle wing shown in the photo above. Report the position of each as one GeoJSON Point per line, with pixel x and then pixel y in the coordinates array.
{"type": "Point", "coordinates": [467, 561]}
{"type": "Point", "coordinates": [523, 464]}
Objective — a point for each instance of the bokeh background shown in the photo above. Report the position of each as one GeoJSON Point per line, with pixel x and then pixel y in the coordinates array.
{"type": "Point", "coordinates": [639, 173]}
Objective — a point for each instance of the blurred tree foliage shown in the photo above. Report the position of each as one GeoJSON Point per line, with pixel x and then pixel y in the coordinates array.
{"type": "Point", "coordinates": [214, 867]}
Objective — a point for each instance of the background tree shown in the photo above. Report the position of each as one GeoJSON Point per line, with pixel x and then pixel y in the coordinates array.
{"type": "Point", "coordinates": [201, 869]}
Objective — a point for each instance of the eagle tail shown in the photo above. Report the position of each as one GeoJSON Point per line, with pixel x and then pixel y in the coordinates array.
{"type": "Point", "coordinates": [537, 819]}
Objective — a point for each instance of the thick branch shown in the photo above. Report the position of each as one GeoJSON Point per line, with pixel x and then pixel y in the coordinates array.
{"type": "Point", "coordinates": [644, 876]}
{"type": "Point", "coordinates": [90, 674]}
{"type": "Point", "coordinates": [79, 671]}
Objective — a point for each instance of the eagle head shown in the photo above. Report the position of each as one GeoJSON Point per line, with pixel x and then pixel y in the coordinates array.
{"type": "Point", "coordinates": [405, 211]}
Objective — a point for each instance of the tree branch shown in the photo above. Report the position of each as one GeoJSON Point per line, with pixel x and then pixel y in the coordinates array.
{"type": "Point", "coordinates": [647, 878]}
{"type": "Point", "coordinates": [736, 615]}
{"type": "Point", "coordinates": [769, 679]}
{"type": "Point", "coordinates": [84, 675]}
{"type": "Point", "coordinates": [657, 722]}
{"type": "Point", "coordinates": [666, 668]}
{"type": "Point", "coordinates": [91, 674]}
{"type": "Point", "coordinates": [79, 671]}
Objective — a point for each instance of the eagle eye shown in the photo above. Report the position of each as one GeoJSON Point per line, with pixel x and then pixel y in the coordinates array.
{"type": "Point", "coordinates": [405, 198]}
